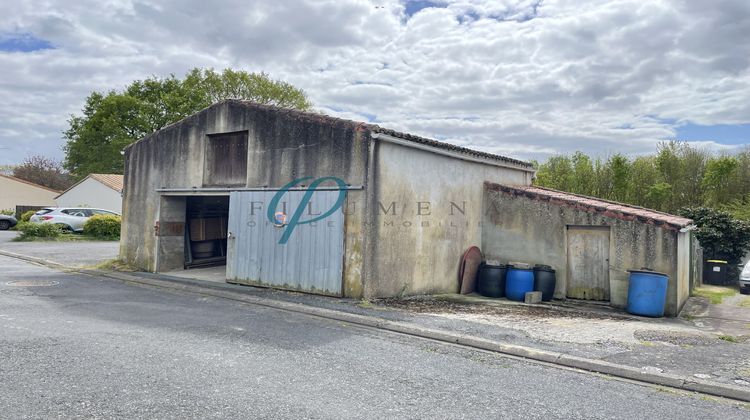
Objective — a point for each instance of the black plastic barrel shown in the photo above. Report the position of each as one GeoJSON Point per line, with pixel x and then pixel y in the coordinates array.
{"type": "Point", "coordinates": [544, 281]}
{"type": "Point", "coordinates": [491, 280]}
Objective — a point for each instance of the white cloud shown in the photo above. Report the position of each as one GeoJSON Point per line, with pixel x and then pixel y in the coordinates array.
{"type": "Point", "coordinates": [523, 78]}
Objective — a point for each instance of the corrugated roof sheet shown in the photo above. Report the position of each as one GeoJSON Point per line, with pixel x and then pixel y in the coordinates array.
{"type": "Point", "coordinates": [357, 125]}
{"type": "Point", "coordinates": [595, 205]}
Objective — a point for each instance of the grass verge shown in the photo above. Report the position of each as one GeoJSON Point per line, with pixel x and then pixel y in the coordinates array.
{"type": "Point", "coordinates": [715, 294]}
{"type": "Point", "coordinates": [64, 237]}
{"type": "Point", "coordinates": [113, 265]}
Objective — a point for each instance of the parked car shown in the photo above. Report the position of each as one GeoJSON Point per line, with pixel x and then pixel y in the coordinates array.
{"type": "Point", "coordinates": [745, 279]}
{"type": "Point", "coordinates": [7, 222]}
{"type": "Point", "coordinates": [69, 218]}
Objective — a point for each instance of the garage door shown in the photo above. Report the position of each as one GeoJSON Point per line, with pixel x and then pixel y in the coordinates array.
{"type": "Point", "coordinates": [309, 258]}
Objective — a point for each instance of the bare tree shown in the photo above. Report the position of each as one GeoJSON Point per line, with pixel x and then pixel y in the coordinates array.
{"type": "Point", "coordinates": [43, 171]}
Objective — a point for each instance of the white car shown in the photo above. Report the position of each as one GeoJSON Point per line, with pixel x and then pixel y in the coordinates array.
{"type": "Point", "coordinates": [69, 218]}
{"type": "Point", "coordinates": [745, 280]}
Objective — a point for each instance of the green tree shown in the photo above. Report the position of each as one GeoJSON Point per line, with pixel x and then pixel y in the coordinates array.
{"type": "Point", "coordinates": [583, 178]}
{"type": "Point", "coordinates": [643, 176]}
{"type": "Point", "coordinates": [739, 208]}
{"type": "Point", "coordinates": [110, 121]}
{"type": "Point", "coordinates": [556, 173]}
{"type": "Point", "coordinates": [620, 170]}
{"type": "Point", "coordinates": [716, 179]}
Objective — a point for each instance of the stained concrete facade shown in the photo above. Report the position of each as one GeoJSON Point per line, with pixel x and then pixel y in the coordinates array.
{"type": "Point", "coordinates": [522, 226]}
{"type": "Point", "coordinates": [394, 178]}
{"type": "Point", "coordinates": [413, 205]}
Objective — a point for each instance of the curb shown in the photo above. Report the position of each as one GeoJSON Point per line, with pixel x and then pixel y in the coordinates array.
{"type": "Point", "coordinates": [561, 359]}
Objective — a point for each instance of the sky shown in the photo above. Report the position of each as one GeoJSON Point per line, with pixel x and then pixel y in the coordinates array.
{"type": "Point", "coordinates": [526, 79]}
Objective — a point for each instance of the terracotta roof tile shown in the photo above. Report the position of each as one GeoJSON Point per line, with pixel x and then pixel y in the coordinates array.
{"type": "Point", "coordinates": [113, 181]}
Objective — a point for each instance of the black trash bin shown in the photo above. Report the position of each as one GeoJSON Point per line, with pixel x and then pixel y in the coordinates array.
{"type": "Point", "coordinates": [716, 272]}
{"type": "Point", "coordinates": [544, 281]}
{"type": "Point", "coordinates": [491, 280]}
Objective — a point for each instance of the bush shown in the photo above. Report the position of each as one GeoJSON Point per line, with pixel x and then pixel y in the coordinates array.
{"type": "Point", "coordinates": [103, 226]}
{"type": "Point", "coordinates": [27, 215]}
{"type": "Point", "coordinates": [721, 236]}
{"type": "Point", "coordinates": [38, 230]}
{"type": "Point", "coordinates": [8, 212]}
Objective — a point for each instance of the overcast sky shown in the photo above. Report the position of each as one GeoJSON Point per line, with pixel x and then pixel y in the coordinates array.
{"type": "Point", "coordinates": [521, 78]}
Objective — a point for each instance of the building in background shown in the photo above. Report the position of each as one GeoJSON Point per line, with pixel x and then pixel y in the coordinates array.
{"type": "Point", "coordinates": [18, 192]}
{"type": "Point", "coordinates": [102, 191]}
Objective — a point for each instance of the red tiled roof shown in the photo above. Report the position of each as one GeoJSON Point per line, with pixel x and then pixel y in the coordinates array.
{"type": "Point", "coordinates": [113, 181]}
{"type": "Point", "coordinates": [595, 205]}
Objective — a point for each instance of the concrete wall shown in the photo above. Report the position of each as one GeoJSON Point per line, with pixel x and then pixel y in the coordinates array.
{"type": "Point", "coordinates": [684, 255]}
{"type": "Point", "coordinates": [517, 228]}
{"type": "Point", "coordinates": [418, 232]}
{"type": "Point", "coordinates": [384, 256]}
{"type": "Point", "coordinates": [282, 146]}
{"type": "Point", "coordinates": [14, 192]}
{"type": "Point", "coordinates": [91, 193]}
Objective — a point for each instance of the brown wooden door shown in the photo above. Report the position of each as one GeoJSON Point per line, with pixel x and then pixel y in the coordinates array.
{"type": "Point", "coordinates": [588, 262]}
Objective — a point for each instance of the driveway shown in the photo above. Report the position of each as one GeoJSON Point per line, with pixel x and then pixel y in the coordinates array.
{"type": "Point", "coordinates": [75, 346]}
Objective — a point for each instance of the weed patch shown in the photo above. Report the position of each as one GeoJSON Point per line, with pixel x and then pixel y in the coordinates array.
{"type": "Point", "coordinates": [715, 294]}
{"type": "Point", "coordinates": [728, 338]}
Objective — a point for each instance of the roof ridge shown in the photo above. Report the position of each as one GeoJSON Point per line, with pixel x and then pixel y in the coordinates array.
{"type": "Point", "coordinates": [313, 116]}
{"type": "Point", "coordinates": [94, 177]}
{"type": "Point", "coordinates": [34, 184]}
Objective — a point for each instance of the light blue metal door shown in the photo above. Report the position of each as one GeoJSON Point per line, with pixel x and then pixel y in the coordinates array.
{"type": "Point", "coordinates": [312, 258]}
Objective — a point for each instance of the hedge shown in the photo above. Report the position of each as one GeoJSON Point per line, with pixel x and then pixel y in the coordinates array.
{"type": "Point", "coordinates": [103, 226]}
{"type": "Point", "coordinates": [27, 215]}
{"type": "Point", "coordinates": [38, 230]}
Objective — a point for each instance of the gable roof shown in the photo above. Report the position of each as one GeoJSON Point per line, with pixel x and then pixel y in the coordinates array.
{"type": "Point", "coordinates": [606, 208]}
{"type": "Point", "coordinates": [113, 181]}
{"type": "Point", "coordinates": [358, 125]}
{"type": "Point", "coordinates": [23, 181]}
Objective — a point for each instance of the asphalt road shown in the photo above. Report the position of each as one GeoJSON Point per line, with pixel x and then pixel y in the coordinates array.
{"type": "Point", "coordinates": [74, 346]}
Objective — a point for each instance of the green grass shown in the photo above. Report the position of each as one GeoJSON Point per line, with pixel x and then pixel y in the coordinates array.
{"type": "Point", "coordinates": [65, 237]}
{"type": "Point", "coordinates": [715, 294]}
{"type": "Point", "coordinates": [112, 265]}
{"type": "Point", "coordinates": [365, 303]}
{"type": "Point", "coordinates": [745, 303]}
{"type": "Point", "coordinates": [728, 338]}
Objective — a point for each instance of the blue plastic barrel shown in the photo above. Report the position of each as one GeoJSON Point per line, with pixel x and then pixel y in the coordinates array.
{"type": "Point", "coordinates": [647, 293]}
{"type": "Point", "coordinates": [518, 281]}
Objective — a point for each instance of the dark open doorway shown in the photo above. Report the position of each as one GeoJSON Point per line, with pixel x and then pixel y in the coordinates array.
{"type": "Point", "coordinates": [206, 231]}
